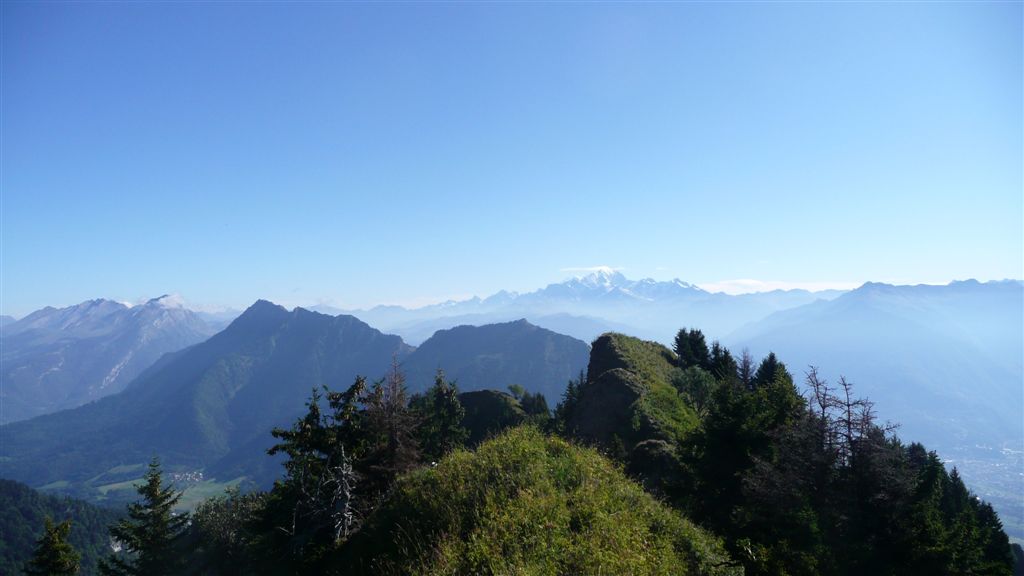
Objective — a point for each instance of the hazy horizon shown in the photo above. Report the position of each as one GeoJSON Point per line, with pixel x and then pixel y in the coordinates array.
{"type": "Point", "coordinates": [729, 287]}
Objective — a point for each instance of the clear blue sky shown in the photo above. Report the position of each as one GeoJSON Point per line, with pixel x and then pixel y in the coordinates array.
{"type": "Point", "coordinates": [358, 153]}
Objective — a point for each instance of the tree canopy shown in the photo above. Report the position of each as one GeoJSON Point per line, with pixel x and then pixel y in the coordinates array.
{"type": "Point", "coordinates": [148, 536]}
{"type": "Point", "coordinates": [54, 556]}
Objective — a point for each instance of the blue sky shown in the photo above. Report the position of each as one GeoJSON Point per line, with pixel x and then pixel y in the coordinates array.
{"type": "Point", "coordinates": [357, 154]}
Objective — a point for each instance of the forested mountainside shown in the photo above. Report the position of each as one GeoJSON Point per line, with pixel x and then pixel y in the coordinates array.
{"type": "Point", "coordinates": [656, 461]}
{"type": "Point", "coordinates": [22, 514]}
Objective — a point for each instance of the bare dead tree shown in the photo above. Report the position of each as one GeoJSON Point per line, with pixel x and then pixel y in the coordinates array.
{"type": "Point", "coordinates": [846, 420]}
{"type": "Point", "coordinates": [326, 497]}
{"type": "Point", "coordinates": [823, 402]}
{"type": "Point", "coordinates": [746, 368]}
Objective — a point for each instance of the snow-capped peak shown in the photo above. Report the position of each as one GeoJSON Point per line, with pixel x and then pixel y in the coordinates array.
{"type": "Point", "coordinates": [603, 277]}
{"type": "Point", "coordinates": [682, 284]}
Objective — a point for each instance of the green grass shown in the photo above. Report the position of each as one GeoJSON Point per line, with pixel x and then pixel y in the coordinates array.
{"type": "Point", "coordinates": [651, 361]}
{"type": "Point", "coordinates": [525, 503]}
{"type": "Point", "coordinates": [106, 489]}
{"type": "Point", "coordinates": [196, 493]}
{"type": "Point", "coordinates": [193, 495]}
{"type": "Point", "coordinates": [653, 364]}
{"type": "Point", "coordinates": [118, 473]}
{"type": "Point", "coordinates": [126, 468]}
{"type": "Point", "coordinates": [669, 411]}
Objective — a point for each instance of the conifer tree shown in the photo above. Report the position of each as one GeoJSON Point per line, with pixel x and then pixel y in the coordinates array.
{"type": "Point", "coordinates": [150, 532]}
{"type": "Point", "coordinates": [535, 404]}
{"type": "Point", "coordinates": [53, 555]}
{"type": "Point", "coordinates": [767, 372]}
{"type": "Point", "coordinates": [441, 414]}
{"type": "Point", "coordinates": [390, 431]}
{"type": "Point", "coordinates": [567, 404]}
{"type": "Point", "coordinates": [723, 365]}
{"type": "Point", "coordinates": [692, 349]}
{"type": "Point", "coordinates": [315, 506]}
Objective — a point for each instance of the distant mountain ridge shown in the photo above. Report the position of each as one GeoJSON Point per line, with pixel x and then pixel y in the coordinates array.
{"type": "Point", "coordinates": [58, 358]}
{"type": "Point", "coordinates": [536, 358]}
{"type": "Point", "coordinates": [906, 344]}
{"type": "Point", "coordinates": [585, 307]}
{"type": "Point", "coordinates": [946, 362]}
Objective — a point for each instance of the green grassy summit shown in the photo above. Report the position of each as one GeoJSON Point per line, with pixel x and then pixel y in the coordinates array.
{"type": "Point", "coordinates": [526, 503]}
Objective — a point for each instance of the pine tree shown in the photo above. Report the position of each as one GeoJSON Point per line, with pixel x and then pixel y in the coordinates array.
{"type": "Point", "coordinates": [768, 371]}
{"type": "Point", "coordinates": [315, 506]}
{"type": "Point", "coordinates": [319, 475]}
{"type": "Point", "coordinates": [723, 365]}
{"type": "Point", "coordinates": [567, 404]}
{"type": "Point", "coordinates": [535, 404]}
{"type": "Point", "coordinates": [150, 532]}
{"type": "Point", "coordinates": [53, 555]}
{"type": "Point", "coordinates": [441, 414]}
{"type": "Point", "coordinates": [692, 349]}
{"type": "Point", "coordinates": [390, 431]}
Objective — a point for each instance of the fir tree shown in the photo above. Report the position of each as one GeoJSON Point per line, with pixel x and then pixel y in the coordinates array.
{"type": "Point", "coordinates": [149, 533]}
{"type": "Point", "coordinates": [692, 349]}
{"type": "Point", "coordinates": [535, 405]}
{"type": "Point", "coordinates": [723, 365]}
{"type": "Point", "coordinates": [390, 431]}
{"type": "Point", "coordinates": [567, 404]}
{"type": "Point", "coordinates": [315, 506]}
{"type": "Point", "coordinates": [441, 414]}
{"type": "Point", "coordinates": [767, 372]}
{"type": "Point", "coordinates": [53, 555]}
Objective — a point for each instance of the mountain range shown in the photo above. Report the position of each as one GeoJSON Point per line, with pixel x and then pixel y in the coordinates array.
{"type": "Point", "coordinates": [211, 407]}
{"type": "Point", "coordinates": [949, 358]}
{"type": "Point", "coordinates": [58, 358]}
{"type": "Point", "coordinates": [946, 362]}
{"type": "Point", "coordinates": [586, 307]}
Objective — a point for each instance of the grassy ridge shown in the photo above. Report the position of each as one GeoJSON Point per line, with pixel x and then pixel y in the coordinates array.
{"type": "Point", "coordinates": [525, 503]}
{"type": "Point", "coordinates": [654, 365]}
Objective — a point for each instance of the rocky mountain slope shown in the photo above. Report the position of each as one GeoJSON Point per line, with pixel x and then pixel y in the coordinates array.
{"type": "Point", "coordinates": [58, 358]}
